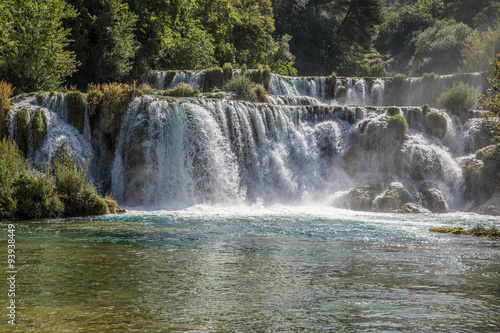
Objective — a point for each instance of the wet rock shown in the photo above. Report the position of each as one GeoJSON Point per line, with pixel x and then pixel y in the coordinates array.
{"type": "Point", "coordinates": [490, 207]}
{"type": "Point", "coordinates": [362, 198]}
{"type": "Point", "coordinates": [412, 208]}
{"type": "Point", "coordinates": [433, 199]}
{"type": "Point", "coordinates": [393, 198]}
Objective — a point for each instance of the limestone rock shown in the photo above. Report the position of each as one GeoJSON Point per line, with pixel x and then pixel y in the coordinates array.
{"type": "Point", "coordinates": [433, 199]}
{"type": "Point", "coordinates": [490, 207]}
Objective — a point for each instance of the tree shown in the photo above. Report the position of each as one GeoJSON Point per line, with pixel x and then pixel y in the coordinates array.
{"type": "Point", "coordinates": [438, 48]}
{"type": "Point", "coordinates": [103, 40]}
{"type": "Point", "coordinates": [479, 48]}
{"type": "Point", "coordinates": [33, 55]}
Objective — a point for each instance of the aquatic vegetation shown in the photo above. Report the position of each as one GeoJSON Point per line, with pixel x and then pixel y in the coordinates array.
{"type": "Point", "coordinates": [476, 231]}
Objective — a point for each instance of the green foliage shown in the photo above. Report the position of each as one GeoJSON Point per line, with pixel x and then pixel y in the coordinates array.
{"type": "Point", "coordinates": [438, 48]}
{"type": "Point", "coordinates": [260, 93]}
{"type": "Point", "coordinates": [35, 196]}
{"type": "Point", "coordinates": [399, 32]}
{"type": "Point", "coordinates": [458, 99]}
{"type": "Point", "coordinates": [281, 58]}
{"type": "Point", "coordinates": [190, 48]}
{"type": "Point", "coordinates": [479, 49]}
{"type": "Point", "coordinates": [21, 135]}
{"type": "Point", "coordinates": [35, 55]}
{"type": "Point", "coordinates": [103, 40]}
{"type": "Point", "coordinates": [436, 124]}
{"type": "Point", "coordinates": [25, 193]}
{"type": "Point", "coordinates": [78, 196]}
{"type": "Point", "coordinates": [425, 108]}
{"type": "Point", "coordinates": [6, 91]}
{"type": "Point", "coordinates": [38, 127]}
{"type": "Point", "coordinates": [76, 108]}
{"type": "Point", "coordinates": [398, 126]}
{"type": "Point", "coordinates": [242, 87]}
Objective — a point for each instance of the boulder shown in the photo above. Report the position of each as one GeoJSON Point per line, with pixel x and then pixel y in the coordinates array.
{"type": "Point", "coordinates": [393, 198]}
{"type": "Point", "coordinates": [412, 208]}
{"type": "Point", "coordinates": [433, 199]}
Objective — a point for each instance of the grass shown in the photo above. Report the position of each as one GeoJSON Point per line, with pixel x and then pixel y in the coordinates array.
{"type": "Point", "coordinates": [479, 231]}
{"type": "Point", "coordinates": [242, 87]}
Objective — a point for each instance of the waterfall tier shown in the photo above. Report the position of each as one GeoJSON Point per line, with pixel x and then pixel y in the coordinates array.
{"type": "Point", "coordinates": [156, 152]}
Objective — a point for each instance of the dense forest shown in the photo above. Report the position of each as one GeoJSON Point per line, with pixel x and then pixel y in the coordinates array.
{"type": "Point", "coordinates": [45, 44]}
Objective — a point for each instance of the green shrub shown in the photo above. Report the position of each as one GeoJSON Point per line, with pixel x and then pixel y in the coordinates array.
{"type": "Point", "coordinates": [12, 164]}
{"type": "Point", "coordinates": [79, 197]}
{"type": "Point", "coordinates": [242, 87]}
{"type": "Point", "coordinates": [458, 99]}
{"type": "Point", "coordinates": [76, 109]}
{"type": "Point", "coordinates": [398, 126]}
{"type": "Point", "coordinates": [330, 82]}
{"type": "Point", "coordinates": [425, 108]}
{"type": "Point", "coordinates": [6, 91]}
{"type": "Point", "coordinates": [38, 127]}
{"type": "Point", "coordinates": [35, 196]}
{"type": "Point", "coordinates": [261, 93]}
{"type": "Point", "coordinates": [378, 70]}
{"type": "Point", "coordinates": [21, 135]}
{"type": "Point", "coordinates": [436, 124]}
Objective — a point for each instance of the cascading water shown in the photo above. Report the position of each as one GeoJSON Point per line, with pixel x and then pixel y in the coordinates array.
{"type": "Point", "coordinates": [293, 149]}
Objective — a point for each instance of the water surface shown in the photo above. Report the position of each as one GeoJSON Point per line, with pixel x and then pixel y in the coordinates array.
{"type": "Point", "coordinates": [254, 269]}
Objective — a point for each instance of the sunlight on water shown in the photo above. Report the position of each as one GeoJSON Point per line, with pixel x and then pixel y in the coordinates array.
{"type": "Point", "coordinates": [256, 269]}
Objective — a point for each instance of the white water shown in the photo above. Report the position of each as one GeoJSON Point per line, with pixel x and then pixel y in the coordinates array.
{"type": "Point", "coordinates": [291, 150]}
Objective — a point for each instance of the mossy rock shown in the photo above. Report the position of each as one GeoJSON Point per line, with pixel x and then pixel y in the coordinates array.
{"type": "Point", "coordinates": [398, 126]}
{"type": "Point", "coordinates": [393, 110]}
{"type": "Point", "coordinates": [76, 109]}
{"type": "Point", "coordinates": [436, 124]}
{"type": "Point", "coordinates": [214, 78]}
{"type": "Point", "coordinates": [393, 198]}
{"type": "Point", "coordinates": [38, 127]}
{"type": "Point", "coordinates": [22, 130]}
{"type": "Point", "coordinates": [341, 94]}
{"type": "Point", "coordinates": [330, 82]}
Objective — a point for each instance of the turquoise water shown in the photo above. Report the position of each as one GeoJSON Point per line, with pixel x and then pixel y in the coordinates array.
{"type": "Point", "coordinates": [254, 269]}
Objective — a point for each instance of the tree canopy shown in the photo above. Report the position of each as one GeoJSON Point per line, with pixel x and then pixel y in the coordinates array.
{"type": "Point", "coordinates": [45, 44]}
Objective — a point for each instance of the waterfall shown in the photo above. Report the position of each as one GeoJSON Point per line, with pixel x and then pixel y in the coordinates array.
{"type": "Point", "coordinates": [296, 148]}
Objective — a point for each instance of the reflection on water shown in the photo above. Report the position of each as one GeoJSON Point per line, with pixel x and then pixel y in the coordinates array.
{"type": "Point", "coordinates": [236, 270]}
